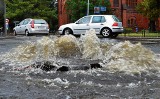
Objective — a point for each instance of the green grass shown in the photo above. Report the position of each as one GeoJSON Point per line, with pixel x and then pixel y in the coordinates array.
{"type": "Point", "coordinates": [140, 34]}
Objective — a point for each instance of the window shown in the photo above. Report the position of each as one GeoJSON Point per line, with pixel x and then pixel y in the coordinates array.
{"type": "Point", "coordinates": [132, 22]}
{"type": "Point", "coordinates": [84, 20]}
{"type": "Point", "coordinates": [132, 3]}
{"type": "Point", "coordinates": [116, 3]}
{"type": "Point", "coordinates": [115, 18]}
{"type": "Point", "coordinates": [98, 19]}
{"type": "Point", "coordinates": [26, 22]}
{"type": "Point", "coordinates": [21, 23]}
{"type": "Point", "coordinates": [39, 21]}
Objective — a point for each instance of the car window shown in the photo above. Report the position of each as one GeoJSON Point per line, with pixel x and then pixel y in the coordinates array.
{"type": "Point", "coordinates": [39, 21]}
{"type": "Point", "coordinates": [84, 20]}
{"type": "Point", "coordinates": [115, 18]}
{"type": "Point", "coordinates": [103, 19]}
{"type": "Point", "coordinates": [98, 19]}
{"type": "Point", "coordinates": [21, 23]}
{"type": "Point", "coordinates": [26, 21]}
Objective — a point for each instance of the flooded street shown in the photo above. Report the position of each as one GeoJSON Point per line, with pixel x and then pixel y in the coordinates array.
{"type": "Point", "coordinates": [85, 67]}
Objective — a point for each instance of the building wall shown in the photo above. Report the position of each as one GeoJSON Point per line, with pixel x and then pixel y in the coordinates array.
{"type": "Point", "coordinates": [62, 16]}
{"type": "Point", "coordinates": [123, 9]}
{"type": "Point", "coordinates": [127, 13]}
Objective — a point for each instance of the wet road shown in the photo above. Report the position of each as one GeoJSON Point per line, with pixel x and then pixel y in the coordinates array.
{"type": "Point", "coordinates": [75, 84]}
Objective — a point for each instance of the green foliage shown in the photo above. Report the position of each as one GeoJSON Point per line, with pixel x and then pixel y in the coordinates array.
{"type": "Point", "coordinates": [128, 30]}
{"type": "Point", "coordinates": [17, 10]}
{"type": "Point", "coordinates": [78, 8]}
{"type": "Point", "coordinates": [149, 8]}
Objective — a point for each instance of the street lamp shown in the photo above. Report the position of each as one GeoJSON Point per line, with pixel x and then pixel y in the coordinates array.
{"type": "Point", "coordinates": [5, 30]}
{"type": "Point", "coordinates": [3, 9]}
{"type": "Point", "coordinates": [88, 8]}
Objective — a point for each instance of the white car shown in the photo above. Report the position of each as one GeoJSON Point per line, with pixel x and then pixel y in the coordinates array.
{"type": "Point", "coordinates": [106, 25]}
{"type": "Point", "coordinates": [31, 26]}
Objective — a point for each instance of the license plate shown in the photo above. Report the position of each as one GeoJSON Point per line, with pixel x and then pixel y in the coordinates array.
{"type": "Point", "coordinates": [41, 27]}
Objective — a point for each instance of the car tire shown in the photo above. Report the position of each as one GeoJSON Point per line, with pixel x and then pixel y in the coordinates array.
{"type": "Point", "coordinates": [14, 32]}
{"type": "Point", "coordinates": [106, 32]}
{"type": "Point", "coordinates": [27, 33]}
{"type": "Point", "coordinates": [114, 35]}
{"type": "Point", "coordinates": [67, 31]}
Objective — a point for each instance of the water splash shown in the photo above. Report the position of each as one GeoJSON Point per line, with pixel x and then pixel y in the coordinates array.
{"type": "Point", "coordinates": [130, 58]}
{"type": "Point", "coordinates": [91, 46]}
{"type": "Point", "coordinates": [67, 46]}
{"type": "Point", "coordinates": [123, 56]}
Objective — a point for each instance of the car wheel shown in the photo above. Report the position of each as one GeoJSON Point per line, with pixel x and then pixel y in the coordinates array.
{"type": "Point", "coordinates": [67, 31]}
{"type": "Point", "coordinates": [14, 32]}
{"type": "Point", "coordinates": [27, 33]}
{"type": "Point", "coordinates": [114, 35]}
{"type": "Point", "coordinates": [106, 32]}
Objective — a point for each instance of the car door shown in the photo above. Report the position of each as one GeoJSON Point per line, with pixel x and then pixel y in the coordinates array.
{"type": "Point", "coordinates": [82, 25]}
{"type": "Point", "coordinates": [18, 27]}
{"type": "Point", "coordinates": [24, 26]}
{"type": "Point", "coordinates": [97, 23]}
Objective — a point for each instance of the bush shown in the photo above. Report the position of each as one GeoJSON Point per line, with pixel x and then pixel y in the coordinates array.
{"type": "Point", "coordinates": [128, 30]}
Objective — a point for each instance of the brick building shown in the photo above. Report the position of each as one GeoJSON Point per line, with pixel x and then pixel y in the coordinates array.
{"type": "Point", "coordinates": [123, 9]}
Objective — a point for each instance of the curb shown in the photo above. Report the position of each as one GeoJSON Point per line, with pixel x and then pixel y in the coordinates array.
{"type": "Point", "coordinates": [6, 37]}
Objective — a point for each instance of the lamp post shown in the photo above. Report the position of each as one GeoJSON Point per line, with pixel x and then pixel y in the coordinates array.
{"type": "Point", "coordinates": [4, 33]}
{"type": "Point", "coordinates": [88, 8]}
{"type": "Point", "coordinates": [5, 30]}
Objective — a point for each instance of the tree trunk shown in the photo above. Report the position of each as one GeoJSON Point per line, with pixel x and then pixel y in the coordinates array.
{"type": "Point", "coordinates": [152, 26]}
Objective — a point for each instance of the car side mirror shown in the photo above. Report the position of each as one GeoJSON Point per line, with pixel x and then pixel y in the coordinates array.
{"type": "Point", "coordinates": [77, 22]}
{"type": "Point", "coordinates": [18, 25]}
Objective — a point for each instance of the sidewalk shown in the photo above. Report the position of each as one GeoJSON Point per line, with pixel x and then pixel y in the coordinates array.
{"type": "Point", "coordinates": [144, 40]}
{"type": "Point", "coordinates": [138, 38]}
{"type": "Point", "coordinates": [8, 36]}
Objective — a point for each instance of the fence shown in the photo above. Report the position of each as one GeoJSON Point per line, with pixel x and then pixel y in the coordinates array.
{"type": "Point", "coordinates": [1, 31]}
{"type": "Point", "coordinates": [128, 32]}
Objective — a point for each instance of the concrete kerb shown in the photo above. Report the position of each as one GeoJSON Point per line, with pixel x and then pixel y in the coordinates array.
{"type": "Point", "coordinates": [147, 40]}
{"type": "Point", "coordinates": [8, 36]}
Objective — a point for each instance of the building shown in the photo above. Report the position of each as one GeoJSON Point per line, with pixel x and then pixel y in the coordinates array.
{"type": "Point", "coordinates": [123, 9]}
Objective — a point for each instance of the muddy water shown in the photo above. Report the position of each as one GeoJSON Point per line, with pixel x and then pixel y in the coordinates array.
{"type": "Point", "coordinates": [128, 70]}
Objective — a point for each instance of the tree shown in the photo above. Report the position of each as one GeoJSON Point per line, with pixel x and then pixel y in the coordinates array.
{"type": "Point", "coordinates": [78, 8]}
{"type": "Point", "coordinates": [150, 9]}
{"type": "Point", "coordinates": [1, 13]}
{"type": "Point", "coordinates": [17, 10]}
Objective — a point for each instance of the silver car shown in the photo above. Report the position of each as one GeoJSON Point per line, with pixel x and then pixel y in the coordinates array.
{"type": "Point", "coordinates": [31, 26]}
{"type": "Point", "coordinates": [106, 25]}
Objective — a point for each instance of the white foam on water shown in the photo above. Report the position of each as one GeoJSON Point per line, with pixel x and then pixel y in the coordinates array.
{"type": "Point", "coordinates": [56, 82]}
{"type": "Point", "coordinates": [132, 85]}
{"type": "Point", "coordinates": [130, 58]}
{"type": "Point", "coordinates": [2, 69]}
{"type": "Point", "coordinates": [67, 46]}
{"type": "Point", "coordinates": [60, 81]}
{"type": "Point", "coordinates": [91, 46]}
{"type": "Point", "coordinates": [89, 83]}
{"type": "Point", "coordinates": [44, 49]}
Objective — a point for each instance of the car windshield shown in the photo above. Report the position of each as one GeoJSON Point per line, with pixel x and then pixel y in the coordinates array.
{"type": "Point", "coordinates": [115, 18]}
{"type": "Point", "coordinates": [39, 21]}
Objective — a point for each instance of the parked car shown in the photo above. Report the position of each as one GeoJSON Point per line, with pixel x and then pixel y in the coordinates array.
{"type": "Point", "coordinates": [31, 26]}
{"type": "Point", "coordinates": [106, 25]}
